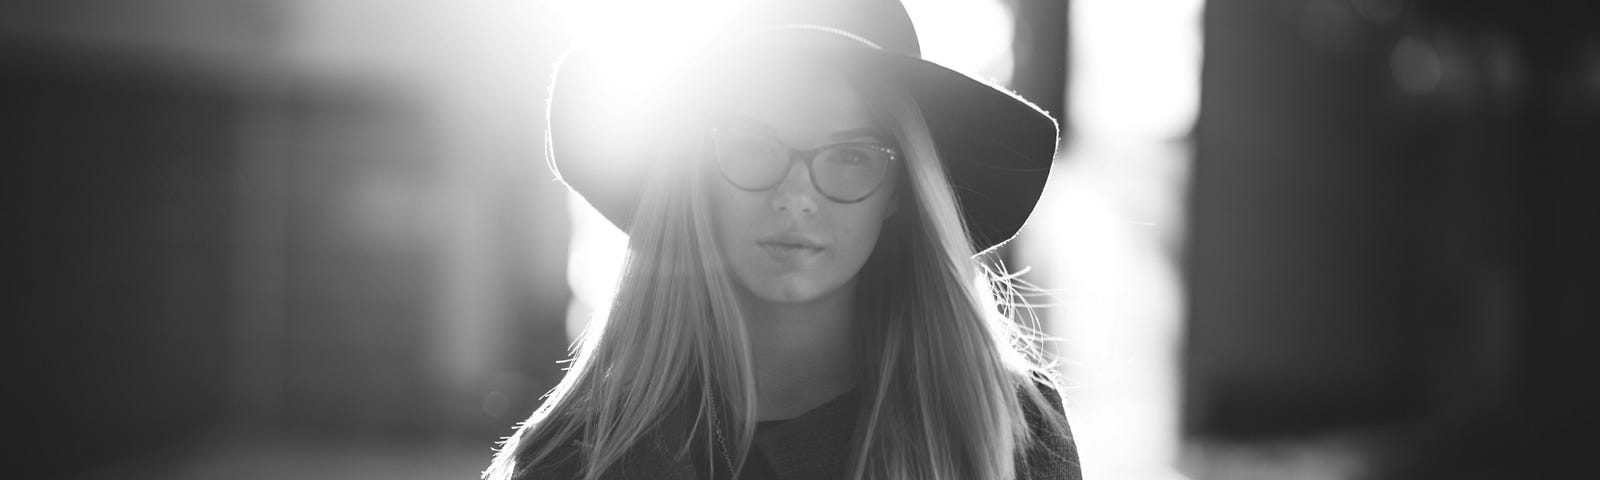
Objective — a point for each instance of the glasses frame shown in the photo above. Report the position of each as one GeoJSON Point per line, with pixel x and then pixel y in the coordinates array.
{"type": "Point", "coordinates": [807, 157]}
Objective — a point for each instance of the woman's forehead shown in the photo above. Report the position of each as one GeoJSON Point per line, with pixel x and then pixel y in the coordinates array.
{"type": "Point", "coordinates": [800, 101]}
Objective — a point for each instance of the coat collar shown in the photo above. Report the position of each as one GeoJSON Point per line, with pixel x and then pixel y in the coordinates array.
{"type": "Point", "coordinates": [814, 445]}
{"type": "Point", "coordinates": [817, 444]}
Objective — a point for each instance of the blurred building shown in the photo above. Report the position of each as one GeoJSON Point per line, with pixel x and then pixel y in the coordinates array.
{"type": "Point", "coordinates": [1392, 227]}
{"type": "Point", "coordinates": [286, 238]}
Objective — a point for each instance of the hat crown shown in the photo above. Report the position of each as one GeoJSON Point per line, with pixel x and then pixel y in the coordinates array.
{"type": "Point", "coordinates": [880, 24]}
{"type": "Point", "coordinates": [996, 147]}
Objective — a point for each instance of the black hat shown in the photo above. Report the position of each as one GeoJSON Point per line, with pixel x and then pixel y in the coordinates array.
{"type": "Point", "coordinates": [996, 147]}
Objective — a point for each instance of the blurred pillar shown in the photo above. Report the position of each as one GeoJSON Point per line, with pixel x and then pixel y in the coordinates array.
{"type": "Point", "coordinates": [1040, 47]}
{"type": "Point", "coordinates": [1104, 239]}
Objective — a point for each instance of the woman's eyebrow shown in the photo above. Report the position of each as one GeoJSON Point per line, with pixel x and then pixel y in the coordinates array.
{"type": "Point", "coordinates": [750, 123]}
{"type": "Point", "coordinates": [866, 132]}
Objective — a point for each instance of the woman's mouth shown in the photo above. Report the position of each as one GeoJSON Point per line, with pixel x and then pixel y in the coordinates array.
{"type": "Point", "coordinates": [789, 249]}
{"type": "Point", "coordinates": [789, 254]}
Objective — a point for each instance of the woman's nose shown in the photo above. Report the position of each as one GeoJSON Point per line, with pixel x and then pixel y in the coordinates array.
{"type": "Point", "coordinates": [796, 195]}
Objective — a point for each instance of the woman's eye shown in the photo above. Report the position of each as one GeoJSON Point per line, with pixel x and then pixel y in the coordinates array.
{"type": "Point", "coordinates": [854, 156]}
{"type": "Point", "coordinates": [747, 146]}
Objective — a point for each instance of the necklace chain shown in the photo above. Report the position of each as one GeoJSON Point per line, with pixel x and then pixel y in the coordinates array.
{"type": "Point", "coordinates": [716, 427]}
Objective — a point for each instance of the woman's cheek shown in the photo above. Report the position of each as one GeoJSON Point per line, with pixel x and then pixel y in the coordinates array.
{"type": "Point", "coordinates": [861, 237]}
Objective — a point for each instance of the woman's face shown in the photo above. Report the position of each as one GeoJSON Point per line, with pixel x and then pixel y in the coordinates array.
{"type": "Point", "coordinates": [792, 243]}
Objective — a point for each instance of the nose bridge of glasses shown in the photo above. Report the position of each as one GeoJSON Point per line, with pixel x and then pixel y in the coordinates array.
{"type": "Point", "coordinates": [798, 171]}
{"type": "Point", "coordinates": [796, 191]}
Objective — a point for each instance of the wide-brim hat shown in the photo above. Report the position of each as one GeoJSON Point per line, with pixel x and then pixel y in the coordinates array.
{"type": "Point", "coordinates": [996, 148]}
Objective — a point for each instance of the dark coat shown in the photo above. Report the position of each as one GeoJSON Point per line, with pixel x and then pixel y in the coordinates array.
{"type": "Point", "coordinates": [813, 446]}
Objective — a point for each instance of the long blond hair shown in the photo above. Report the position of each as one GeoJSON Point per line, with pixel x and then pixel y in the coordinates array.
{"type": "Point", "coordinates": [948, 361]}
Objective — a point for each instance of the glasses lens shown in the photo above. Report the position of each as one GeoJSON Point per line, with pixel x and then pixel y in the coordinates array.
{"type": "Point", "coordinates": [851, 172]}
{"type": "Point", "coordinates": [750, 161]}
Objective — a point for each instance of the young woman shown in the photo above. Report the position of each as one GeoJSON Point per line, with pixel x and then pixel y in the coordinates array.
{"type": "Point", "coordinates": [803, 298]}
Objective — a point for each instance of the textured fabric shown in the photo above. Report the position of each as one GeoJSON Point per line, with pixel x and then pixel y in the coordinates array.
{"type": "Point", "coordinates": [757, 467]}
{"type": "Point", "coordinates": [813, 446]}
{"type": "Point", "coordinates": [1052, 457]}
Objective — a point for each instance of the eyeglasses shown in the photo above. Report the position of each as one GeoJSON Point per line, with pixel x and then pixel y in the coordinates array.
{"type": "Point", "coordinates": [843, 172]}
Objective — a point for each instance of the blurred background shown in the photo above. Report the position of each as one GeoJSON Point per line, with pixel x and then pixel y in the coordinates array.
{"type": "Point", "coordinates": [1319, 239]}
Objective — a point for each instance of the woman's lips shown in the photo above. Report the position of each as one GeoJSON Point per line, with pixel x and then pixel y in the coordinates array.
{"type": "Point", "coordinates": [789, 247]}
{"type": "Point", "coordinates": [791, 250]}
{"type": "Point", "coordinates": [790, 239]}
{"type": "Point", "coordinates": [789, 253]}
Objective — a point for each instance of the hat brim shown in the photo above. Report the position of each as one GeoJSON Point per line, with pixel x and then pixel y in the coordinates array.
{"type": "Point", "coordinates": [997, 148]}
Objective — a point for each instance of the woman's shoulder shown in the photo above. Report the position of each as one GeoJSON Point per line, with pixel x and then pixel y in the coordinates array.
{"type": "Point", "coordinates": [1053, 453]}
{"type": "Point", "coordinates": [1050, 393]}
{"type": "Point", "coordinates": [562, 462]}
{"type": "Point", "coordinates": [1047, 390]}
{"type": "Point", "coordinates": [569, 450]}
{"type": "Point", "coordinates": [549, 457]}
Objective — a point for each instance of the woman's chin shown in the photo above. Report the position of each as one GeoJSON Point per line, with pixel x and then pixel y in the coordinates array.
{"type": "Point", "coordinates": [789, 289]}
